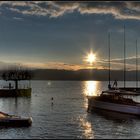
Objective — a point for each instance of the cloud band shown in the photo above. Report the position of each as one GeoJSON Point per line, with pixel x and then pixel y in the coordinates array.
{"type": "Point", "coordinates": [119, 10]}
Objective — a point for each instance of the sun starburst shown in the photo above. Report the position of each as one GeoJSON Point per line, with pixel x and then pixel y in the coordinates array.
{"type": "Point", "coordinates": [90, 58]}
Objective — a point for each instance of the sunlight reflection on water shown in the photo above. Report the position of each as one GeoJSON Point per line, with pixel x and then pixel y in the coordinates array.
{"type": "Point", "coordinates": [68, 118]}
{"type": "Point", "coordinates": [91, 88]}
{"type": "Point", "coordinates": [88, 132]}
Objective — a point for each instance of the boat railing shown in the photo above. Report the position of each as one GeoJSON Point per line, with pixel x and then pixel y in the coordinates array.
{"type": "Point", "coordinates": [120, 92]}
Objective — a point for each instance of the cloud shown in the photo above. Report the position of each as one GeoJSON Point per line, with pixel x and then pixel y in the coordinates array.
{"type": "Point", "coordinates": [52, 65]}
{"type": "Point", "coordinates": [116, 64]}
{"type": "Point", "coordinates": [39, 65]}
{"type": "Point", "coordinates": [119, 10]}
{"type": "Point", "coordinates": [18, 18]}
{"type": "Point", "coordinates": [8, 65]}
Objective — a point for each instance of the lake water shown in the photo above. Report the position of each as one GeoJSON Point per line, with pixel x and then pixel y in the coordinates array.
{"type": "Point", "coordinates": [67, 117]}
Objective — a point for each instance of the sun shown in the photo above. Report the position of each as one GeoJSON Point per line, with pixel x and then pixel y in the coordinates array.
{"type": "Point", "coordinates": [91, 58]}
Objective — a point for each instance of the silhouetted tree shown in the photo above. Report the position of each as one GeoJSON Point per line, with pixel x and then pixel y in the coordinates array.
{"type": "Point", "coordinates": [17, 75]}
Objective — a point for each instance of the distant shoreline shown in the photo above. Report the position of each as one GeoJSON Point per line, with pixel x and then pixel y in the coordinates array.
{"type": "Point", "coordinates": [80, 75]}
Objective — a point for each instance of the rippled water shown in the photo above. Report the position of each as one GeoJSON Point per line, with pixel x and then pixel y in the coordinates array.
{"type": "Point", "coordinates": [67, 117]}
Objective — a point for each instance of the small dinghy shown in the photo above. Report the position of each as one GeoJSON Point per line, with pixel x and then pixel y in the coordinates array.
{"type": "Point", "coordinates": [14, 121]}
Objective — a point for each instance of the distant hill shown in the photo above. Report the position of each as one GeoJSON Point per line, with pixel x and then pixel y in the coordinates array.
{"type": "Point", "coordinates": [83, 74]}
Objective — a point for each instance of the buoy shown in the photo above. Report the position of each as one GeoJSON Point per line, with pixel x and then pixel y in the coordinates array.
{"type": "Point", "coordinates": [52, 101]}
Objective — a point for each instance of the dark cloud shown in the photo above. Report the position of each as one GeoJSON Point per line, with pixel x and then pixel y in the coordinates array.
{"type": "Point", "coordinates": [120, 10]}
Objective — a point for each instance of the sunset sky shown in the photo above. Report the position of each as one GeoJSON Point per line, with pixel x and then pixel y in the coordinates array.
{"type": "Point", "coordinates": [49, 34]}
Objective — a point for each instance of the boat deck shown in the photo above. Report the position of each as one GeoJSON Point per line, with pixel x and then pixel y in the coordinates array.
{"type": "Point", "coordinates": [117, 100]}
{"type": "Point", "coordinates": [135, 89]}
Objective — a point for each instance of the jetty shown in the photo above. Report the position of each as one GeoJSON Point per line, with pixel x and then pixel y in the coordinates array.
{"type": "Point", "coordinates": [15, 91]}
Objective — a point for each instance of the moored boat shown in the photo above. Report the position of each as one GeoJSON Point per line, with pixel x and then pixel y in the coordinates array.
{"type": "Point", "coordinates": [14, 121]}
{"type": "Point", "coordinates": [115, 100]}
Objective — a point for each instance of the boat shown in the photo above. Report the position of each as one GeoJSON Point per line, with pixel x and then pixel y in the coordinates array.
{"type": "Point", "coordinates": [115, 100]}
{"type": "Point", "coordinates": [14, 121]}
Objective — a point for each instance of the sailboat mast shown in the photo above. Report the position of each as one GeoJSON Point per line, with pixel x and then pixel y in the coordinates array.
{"type": "Point", "coordinates": [124, 58]}
{"type": "Point", "coordinates": [109, 57]}
{"type": "Point", "coordinates": [136, 66]}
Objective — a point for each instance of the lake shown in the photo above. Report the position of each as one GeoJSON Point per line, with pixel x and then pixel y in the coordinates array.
{"type": "Point", "coordinates": [66, 116]}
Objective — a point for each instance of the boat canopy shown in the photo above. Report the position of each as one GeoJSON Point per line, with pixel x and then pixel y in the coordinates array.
{"type": "Point", "coordinates": [121, 92]}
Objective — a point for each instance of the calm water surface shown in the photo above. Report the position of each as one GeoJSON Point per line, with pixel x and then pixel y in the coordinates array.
{"type": "Point", "coordinates": [67, 117]}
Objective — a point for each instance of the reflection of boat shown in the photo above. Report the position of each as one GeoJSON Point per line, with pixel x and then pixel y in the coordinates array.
{"type": "Point", "coordinates": [15, 93]}
{"type": "Point", "coordinates": [115, 116]}
{"type": "Point", "coordinates": [12, 120]}
{"type": "Point", "coordinates": [115, 100]}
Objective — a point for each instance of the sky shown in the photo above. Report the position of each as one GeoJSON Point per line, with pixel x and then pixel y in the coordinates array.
{"type": "Point", "coordinates": [58, 35]}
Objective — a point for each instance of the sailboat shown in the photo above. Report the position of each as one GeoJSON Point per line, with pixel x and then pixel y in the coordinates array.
{"type": "Point", "coordinates": [135, 88]}
{"type": "Point", "coordinates": [117, 100]}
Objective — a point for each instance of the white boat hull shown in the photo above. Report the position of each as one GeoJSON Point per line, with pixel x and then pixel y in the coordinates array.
{"type": "Point", "coordinates": [94, 104]}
